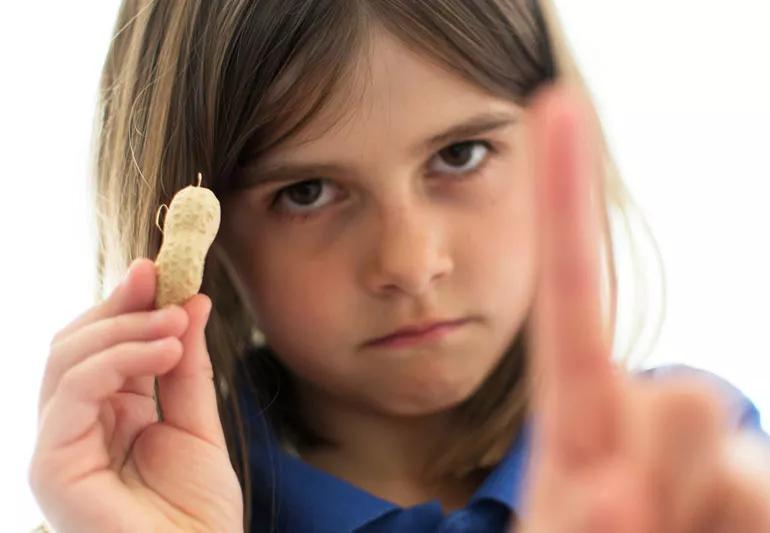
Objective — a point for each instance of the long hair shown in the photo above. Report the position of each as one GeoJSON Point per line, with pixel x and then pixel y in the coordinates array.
{"type": "Point", "coordinates": [195, 86]}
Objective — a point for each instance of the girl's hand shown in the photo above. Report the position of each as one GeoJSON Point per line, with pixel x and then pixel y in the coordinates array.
{"type": "Point", "coordinates": [610, 454]}
{"type": "Point", "coordinates": [102, 461]}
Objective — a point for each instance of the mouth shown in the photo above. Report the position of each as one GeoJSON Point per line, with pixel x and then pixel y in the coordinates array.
{"type": "Point", "coordinates": [411, 336]}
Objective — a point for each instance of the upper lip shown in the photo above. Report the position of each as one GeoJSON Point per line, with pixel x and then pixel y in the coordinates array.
{"type": "Point", "coordinates": [417, 328]}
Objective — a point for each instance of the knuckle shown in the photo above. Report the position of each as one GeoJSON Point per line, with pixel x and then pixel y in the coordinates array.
{"type": "Point", "coordinates": [62, 354]}
{"type": "Point", "coordinates": [55, 339]}
{"type": "Point", "coordinates": [58, 338]}
{"type": "Point", "coordinates": [76, 377]}
{"type": "Point", "coordinates": [70, 380]}
{"type": "Point", "coordinates": [692, 404]}
{"type": "Point", "coordinates": [171, 320]}
{"type": "Point", "coordinates": [117, 325]}
{"type": "Point", "coordinates": [35, 481]}
{"type": "Point", "coordinates": [33, 475]}
{"type": "Point", "coordinates": [38, 475]}
{"type": "Point", "coordinates": [77, 323]}
{"type": "Point", "coordinates": [138, 325]}
{"type": "Point", "coordinates": [110, 332]}
{"type": "Point", "coordinates": [172, 344]}
{"type": "Point", "coordinates": [52, 361]}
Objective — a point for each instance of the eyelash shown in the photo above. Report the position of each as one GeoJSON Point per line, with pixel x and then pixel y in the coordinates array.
{"type": "Point", "coordinates": [276, 197]}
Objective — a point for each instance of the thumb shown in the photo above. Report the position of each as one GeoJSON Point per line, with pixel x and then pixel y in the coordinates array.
{"type": "Point", "coordinates": [186, 393]}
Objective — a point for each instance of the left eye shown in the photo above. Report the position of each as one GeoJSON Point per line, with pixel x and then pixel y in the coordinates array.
{"type": "Point", "coordinates": [462, 158]}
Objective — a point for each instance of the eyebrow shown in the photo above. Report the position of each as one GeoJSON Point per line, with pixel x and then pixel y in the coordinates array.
{"type": "Point", "coordinates": [257, 173]}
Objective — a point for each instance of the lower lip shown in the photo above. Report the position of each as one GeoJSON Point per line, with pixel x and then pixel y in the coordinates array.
{"type": "Point", "coordinates": [432, 335]}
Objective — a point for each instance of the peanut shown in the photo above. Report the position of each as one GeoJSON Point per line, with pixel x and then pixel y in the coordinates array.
{"type": "Point", "coordinates": [191, 223]}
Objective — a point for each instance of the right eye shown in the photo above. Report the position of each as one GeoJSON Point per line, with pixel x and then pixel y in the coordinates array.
{"type": "Point", "coordinates": [304, 194]}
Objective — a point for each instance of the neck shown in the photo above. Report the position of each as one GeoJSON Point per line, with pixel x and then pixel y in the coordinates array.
{"type": "Point", "coordinates": [382, 445]}
{"type": "Point", "coordinates": [382, 453]}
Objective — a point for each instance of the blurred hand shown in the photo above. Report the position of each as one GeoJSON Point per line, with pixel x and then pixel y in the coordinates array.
{"type": "Point", "coordinates": [611, 454]}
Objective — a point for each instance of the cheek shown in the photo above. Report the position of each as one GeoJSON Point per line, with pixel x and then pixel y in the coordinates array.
{"type": "Point", "coordinates": [296, 296]}
{"type": "Point", "coordinates": [502, 262]}
{"type": "Point", "coordinates": [302, 307]}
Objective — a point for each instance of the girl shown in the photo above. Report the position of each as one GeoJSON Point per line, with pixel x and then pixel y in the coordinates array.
{"type": "Point", "coordinates": [367, 357]}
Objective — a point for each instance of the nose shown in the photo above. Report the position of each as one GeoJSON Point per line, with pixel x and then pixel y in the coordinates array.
{"type": "Point", "coordinates": [408, 252]}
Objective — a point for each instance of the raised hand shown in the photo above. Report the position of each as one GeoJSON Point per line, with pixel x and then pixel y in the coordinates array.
{"type": "Point", "coordinates": [103, 461]}
{"type": "Point", "coordinates": [610, 454]}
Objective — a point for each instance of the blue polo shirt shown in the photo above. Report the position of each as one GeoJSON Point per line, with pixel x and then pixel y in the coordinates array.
{"type": "Point", "coordinates": [305, 499]}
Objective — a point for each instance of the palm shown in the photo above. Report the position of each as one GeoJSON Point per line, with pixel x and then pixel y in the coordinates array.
{"type": "Point", "coordinates": [122, 418]}
{"type": "Point", "coordinates": [151, 470]}
{"type": "Point", "coordinates": [155, 460]}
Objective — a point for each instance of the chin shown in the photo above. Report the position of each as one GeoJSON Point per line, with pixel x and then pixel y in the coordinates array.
{"type": "Point", "coordinates": [430, 385]}
{"type": "Point", "coordinates": [426, 397]}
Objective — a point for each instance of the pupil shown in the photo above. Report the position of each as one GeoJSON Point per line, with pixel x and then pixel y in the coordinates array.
{"type": "Point", "coordinates": [305, 192]}
{"type": "Point", "coordinates": [458, 154]}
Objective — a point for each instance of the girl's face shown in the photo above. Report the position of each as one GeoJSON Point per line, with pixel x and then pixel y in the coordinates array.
{"type": "Point", "coordinates": [374, 227]}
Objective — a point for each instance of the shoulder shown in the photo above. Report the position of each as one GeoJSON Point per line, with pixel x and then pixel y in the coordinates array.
{"type": "Point", "coordinates": [744, 414]}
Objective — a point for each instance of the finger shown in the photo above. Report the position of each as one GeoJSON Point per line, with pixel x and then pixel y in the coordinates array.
{"type": "Point", "coordinates": [612, 501]}
{"type": "Point", "coordinates": [97, 336]}
{"type": "Point", "coordinates": [738, 506]}
{"type": "Point", "coordinates": [744, 488]}
{"type": "Point", "coordinates": [606, 499]}
{"type": "Point", "coordinates": [571, 353]}
{"type": "Point", "coordinates": [187, 394]}
{"type": "Point", "coordinates": [747, 455]}
{"type": "Point", "coordinates": [74, 408]}
{"type": "Point", "coordinates": [135, 293]}
{"type": "Point", "coordinates": [678, 440]}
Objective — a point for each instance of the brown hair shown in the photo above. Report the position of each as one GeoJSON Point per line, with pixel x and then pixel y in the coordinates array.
{"type": "Point", "coordinates": [201, 86]}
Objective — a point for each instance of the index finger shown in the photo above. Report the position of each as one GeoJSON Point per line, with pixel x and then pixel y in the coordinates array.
{"type": "Point", "coordinates": [130, 296]}
{"type": "Point", "coordinates": [571, 351]}
{"type": "Point", "coordinates": [116, 303]}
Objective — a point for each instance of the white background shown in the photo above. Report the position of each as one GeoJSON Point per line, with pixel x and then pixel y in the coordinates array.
{"type": "Point", "coordinates": [682, 86]}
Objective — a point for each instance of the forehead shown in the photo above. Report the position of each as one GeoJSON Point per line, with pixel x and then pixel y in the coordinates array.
{"type": "Point", "coordinates": [394, 95]}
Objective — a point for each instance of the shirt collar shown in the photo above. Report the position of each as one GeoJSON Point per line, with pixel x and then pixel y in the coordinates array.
{"type": "Point", "coordinates": [505, 483]}
{"type": "Point", "coordinates": [308, 498]}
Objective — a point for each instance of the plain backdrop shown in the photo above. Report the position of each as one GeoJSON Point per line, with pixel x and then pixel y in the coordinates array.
{"type": "Point", "coordinates": [681, 85]}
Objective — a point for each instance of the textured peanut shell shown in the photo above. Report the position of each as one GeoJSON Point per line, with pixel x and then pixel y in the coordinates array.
{"type": "Point", "coordinates": [191, 223]}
